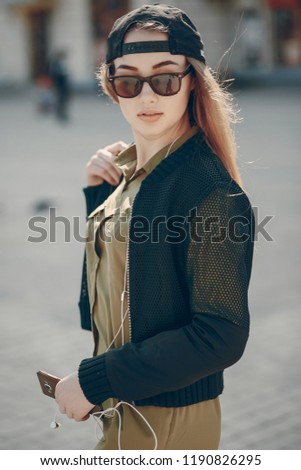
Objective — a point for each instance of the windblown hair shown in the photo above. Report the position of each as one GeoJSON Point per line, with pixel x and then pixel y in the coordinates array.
{"type": "Point", "coordinates": [211, 107]}
{"type": "Point", "coordinates": [214, 112]}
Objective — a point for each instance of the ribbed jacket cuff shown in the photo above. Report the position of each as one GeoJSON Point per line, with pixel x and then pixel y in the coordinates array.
{"type": "Point", "coordinates": [93, 380]}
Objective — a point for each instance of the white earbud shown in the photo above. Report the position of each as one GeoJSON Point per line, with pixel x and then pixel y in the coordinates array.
{"type": "Point", "coordinates": [54, 425]}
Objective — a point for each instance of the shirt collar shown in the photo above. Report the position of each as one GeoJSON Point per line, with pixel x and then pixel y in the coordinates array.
{"type": "Point", "coordinates": [127, 160]}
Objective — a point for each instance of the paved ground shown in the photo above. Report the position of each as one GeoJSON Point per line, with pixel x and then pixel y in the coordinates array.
{"type": "Point", "coordinates": [42, 160]}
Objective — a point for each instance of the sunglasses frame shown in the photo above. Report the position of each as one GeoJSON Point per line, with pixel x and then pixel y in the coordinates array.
{"type": "Point", "coordinates": [149, 79]}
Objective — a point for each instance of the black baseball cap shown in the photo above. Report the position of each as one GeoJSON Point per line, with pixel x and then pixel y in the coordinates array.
{"type": "Point", "coordinates": [183, 37]}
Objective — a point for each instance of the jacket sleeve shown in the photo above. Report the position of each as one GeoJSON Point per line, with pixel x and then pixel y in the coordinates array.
{"type": "Point", "coordinates": [94, 195]}
{"type": "Point", "coordinates": [217, 269]}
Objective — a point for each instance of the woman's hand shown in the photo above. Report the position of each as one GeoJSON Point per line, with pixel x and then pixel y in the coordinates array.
{"type": "Point", "coordinates": [101, 166]}
{"type": "Point", "coordinates": [71, 399]}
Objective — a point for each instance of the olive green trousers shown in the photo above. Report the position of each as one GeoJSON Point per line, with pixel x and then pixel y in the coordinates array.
{"type": "Point", "coordinates": [191, 427]}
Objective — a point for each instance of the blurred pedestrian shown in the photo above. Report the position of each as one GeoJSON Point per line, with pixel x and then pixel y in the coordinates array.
{"type": "Point", "coordinates": [61, 81]}
{"type": "Point", "coordinates": [169, 250]}
{"type": "Point", "coordinates": [44, 94]}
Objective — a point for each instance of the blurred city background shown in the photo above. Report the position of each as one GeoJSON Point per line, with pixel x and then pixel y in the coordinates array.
{"type": "Point", "coordinates": [263, 36]}
{"type": "Point", "coordinates": [53, 118]}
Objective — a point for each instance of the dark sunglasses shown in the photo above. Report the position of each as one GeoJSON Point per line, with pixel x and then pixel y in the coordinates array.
{"type": "Point", "coordinates": [164, 84]}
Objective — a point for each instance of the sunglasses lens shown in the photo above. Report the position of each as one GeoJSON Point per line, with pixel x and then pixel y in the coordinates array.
{"type": "Point", "coordinates": [127, 87]}
{"type": "Point", "coordinates": [166, 84]}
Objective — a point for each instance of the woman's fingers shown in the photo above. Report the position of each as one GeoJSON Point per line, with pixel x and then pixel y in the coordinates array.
{"type": "Point", "coordinates": [107, 164]}
{"type": "Point", "coordinates": [101, 166]}
{"type": "Point", "coordinates": [117, 147]}
{"type": "Point", "coordinates": [99, 170]}
{"type": "Point", "coordinates": [71, 399]}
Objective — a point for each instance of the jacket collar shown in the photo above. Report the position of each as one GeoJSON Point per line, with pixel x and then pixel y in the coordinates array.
{"type": "Point", "coordinates": [127, 160]}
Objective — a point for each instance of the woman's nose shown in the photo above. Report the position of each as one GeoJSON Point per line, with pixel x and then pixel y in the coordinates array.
{"type": "Point", "coordinates": [147, 94]}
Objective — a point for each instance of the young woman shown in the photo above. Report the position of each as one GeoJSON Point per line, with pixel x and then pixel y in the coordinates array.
{"type": "Point", "coordinates": [169, 250]}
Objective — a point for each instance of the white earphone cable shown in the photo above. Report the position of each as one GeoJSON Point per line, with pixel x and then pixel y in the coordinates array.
{"type": "Point", "coordinates": [108, 414]}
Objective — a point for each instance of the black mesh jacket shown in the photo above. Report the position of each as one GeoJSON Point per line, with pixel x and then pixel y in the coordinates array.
{"type": "Point", "coordinates": [188, 285]}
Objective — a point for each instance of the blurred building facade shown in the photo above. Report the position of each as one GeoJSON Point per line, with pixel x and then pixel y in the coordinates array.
{"type": "Point", "coordinates": [256, 33]}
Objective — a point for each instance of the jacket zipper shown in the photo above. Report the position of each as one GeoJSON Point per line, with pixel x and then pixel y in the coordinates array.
{"type": "Point", "coordinates": [128, 269]}
{"type": "Point", "coordinates": [128, 273]}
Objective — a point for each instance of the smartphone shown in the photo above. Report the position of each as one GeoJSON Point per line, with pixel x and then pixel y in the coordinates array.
{"type": "Point", "coordinates": [48, 383]}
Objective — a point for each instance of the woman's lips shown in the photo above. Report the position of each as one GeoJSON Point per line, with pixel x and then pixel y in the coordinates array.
{"type": "Point", "coordinates": [149, 116]}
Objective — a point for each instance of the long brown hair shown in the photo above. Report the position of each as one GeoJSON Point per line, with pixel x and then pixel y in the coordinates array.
{"type": "Point", "coordinates": [214, 112]}
{"type": "Point", "coordinates": [213, 109]}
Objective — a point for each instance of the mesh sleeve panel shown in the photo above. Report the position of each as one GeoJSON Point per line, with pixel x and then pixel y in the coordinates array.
{"type": "Point", "coordinates": [218, 261]}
